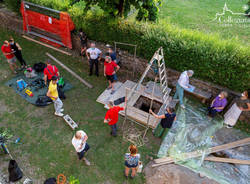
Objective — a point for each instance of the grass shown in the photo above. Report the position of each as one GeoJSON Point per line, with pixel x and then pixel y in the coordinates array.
{"type": "Point", "coordinates": [198, 15]}
{"type": "Point", "coordinates": [46, 150]}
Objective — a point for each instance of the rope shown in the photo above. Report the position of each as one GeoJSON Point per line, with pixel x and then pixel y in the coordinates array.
{"type": "Point", "coordinates": [135, 136]}
{"type": "Point", "coordinates": [61, 179]}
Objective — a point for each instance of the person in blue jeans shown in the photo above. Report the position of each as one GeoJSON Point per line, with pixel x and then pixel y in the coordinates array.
{"type": "Point", "coordinates": [183, 83]}
{"type": "Point", "coordinates": [131, 161]}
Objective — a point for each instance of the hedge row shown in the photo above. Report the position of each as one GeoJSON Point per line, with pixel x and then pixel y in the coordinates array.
{"type": "Point", "coordinates": [223, 62]}
{"type": "Point", "coordinates": [226, 63]}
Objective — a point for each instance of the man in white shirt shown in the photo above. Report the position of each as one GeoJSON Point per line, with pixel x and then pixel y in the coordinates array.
{"type": "Point", "coordinates": [183, 83]}
{"type": "Point", "coordinates": [80, 145]}
{"type": "Point", "coordinates": [94, 55]}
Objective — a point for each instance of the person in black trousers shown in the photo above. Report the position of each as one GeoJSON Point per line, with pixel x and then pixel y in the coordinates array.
{"type": "Point", "coordinates": [94, 55]}
{"type": "Point", "coordinates": [17, 52]}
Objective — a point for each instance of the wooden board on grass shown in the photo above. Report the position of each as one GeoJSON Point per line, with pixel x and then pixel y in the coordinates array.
{"type": "Point", "coordinates": [198, 153]}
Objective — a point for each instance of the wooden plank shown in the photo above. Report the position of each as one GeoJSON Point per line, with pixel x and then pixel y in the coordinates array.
{"type": "Point", "coordinates": [106, 96]}
{"type": "Point", "coordinates": [198, 153]}
{"type": "Point", "coordinates": [70, 71]}
{"type": "Point", "coordinates": [227, 160]}
{"type": "Point", "coordinates": [197, 92]}
{"type": "Point", "coordinates": [46, 45]}
{"type": "Point", "coordinates": [141, 116]}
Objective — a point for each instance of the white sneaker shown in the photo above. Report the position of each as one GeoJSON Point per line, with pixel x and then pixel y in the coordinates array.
{"type": "Point", "coordinates": [62, 110]}
{"type": "Point", "coordinates": [59, 114]}
{"type": "Point", "coordinates": [86, 162]}
{"type": "Point", "coordinates": [183, 106]}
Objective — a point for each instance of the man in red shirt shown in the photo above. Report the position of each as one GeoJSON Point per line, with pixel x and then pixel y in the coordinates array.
{"type": "Point", "coordinates": [49, 72]}
{"type": "Point", "coordinates": [112, 116]}
{"type": "Point", "coordinates": [9, 54]}
{"type": "Point", "coordinates": [109, 71]}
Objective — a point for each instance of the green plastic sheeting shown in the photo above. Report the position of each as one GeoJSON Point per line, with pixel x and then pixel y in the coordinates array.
{"type": "Point", "coordinates": [192, 131]}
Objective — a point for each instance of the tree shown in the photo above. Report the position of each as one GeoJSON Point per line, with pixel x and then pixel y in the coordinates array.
{"type": "Point", "coordinates": [248, 8]}
{"type": "Point", "coordinates": [147, 9]}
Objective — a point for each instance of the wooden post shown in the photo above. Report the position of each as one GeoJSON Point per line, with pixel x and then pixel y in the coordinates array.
{"type": "Point", "coordinates": [228, 160]}
{"type": "Point", "coordinates": [151, 104]}
{"type": "Point", "coordinates": [46, 45]}
{"type": "Point", "coordinates": [70, 71]}
{"type": "Point", "coordinates": [198, 153]}
{"type": "Point", "coordinates": [125, 119]}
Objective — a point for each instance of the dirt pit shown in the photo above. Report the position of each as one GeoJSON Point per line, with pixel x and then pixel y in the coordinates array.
{"type": "Point", "coordinates": [143, 103]}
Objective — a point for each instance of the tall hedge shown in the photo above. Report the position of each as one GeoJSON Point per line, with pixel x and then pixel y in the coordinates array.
{"type": "Point", "coordinates": [223, 62]}
{"type": "Point", "coordinates": [226, 63]}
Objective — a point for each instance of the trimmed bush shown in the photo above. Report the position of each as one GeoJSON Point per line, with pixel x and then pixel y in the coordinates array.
{"type": "Point", "coordinates": [226, 63]}
{"type": "Point", "coordinates": [223, 62]}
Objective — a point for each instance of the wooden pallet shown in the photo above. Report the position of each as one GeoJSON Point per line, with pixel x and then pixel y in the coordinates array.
{"type": "Point", "coordinates": [70, 122]}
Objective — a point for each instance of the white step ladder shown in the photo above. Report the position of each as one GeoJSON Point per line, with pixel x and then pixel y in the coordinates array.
{"type": "Point", "coordinates": [159, 56]}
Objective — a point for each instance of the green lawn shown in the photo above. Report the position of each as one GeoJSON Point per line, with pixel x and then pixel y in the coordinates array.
{"type": "Point", "coordinates": [198, 15]}
{"type": "Point", "coordinates": [46, 150]}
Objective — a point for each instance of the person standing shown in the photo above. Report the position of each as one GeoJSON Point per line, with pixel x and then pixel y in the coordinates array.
{"type": "Point", "coordinates": [112, 54]}
{"type": "Point", "coordinates": [131, 161]}
{"type": "Point", "coordinates": [81, 146]}
{"type": "Point", "coordinates": [84, 41]}
{"type": "Point", "coordinates": [109, 72]}
{"type": "Point", "coordinates": [9, 54]}
{"type": "Point", "coordinates": [218, 104]}
{"type": "Point", "coordinates": [53, 94]}
{"type": "Point", "coordinates": [183, 83]}
{"type": "Point", "coordinates": [166, 122]}
{"type": "Point", "coordinates": [112, 116]}
{"type": "Point", "coordinates": [49, 72]}
{"type": "Point", "coordinates": [94, 55]}
{"type": "Point", "coordinates": [17, 52]}
{"type": "Point", "coordinates": [233, 114]}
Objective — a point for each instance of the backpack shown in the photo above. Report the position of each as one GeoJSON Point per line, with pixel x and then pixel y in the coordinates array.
{"type": "Point", "coordinates": [38, 84]}
{"type": "Point", "coordinates": [39, 67]}
{"type": "Point", "coordinates": [43, 100]}
{"type": "Point", "coordinates": [61, 92]}
{"type": "Point", "coordinates": [50, 181]}
{"type": "Point", "coordinates": [15, 172]}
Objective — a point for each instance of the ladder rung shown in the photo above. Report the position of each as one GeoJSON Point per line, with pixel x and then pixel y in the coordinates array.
{"type": "Point", "coordinates": [163, 84]}
{"type": "Point", "coordinates": [164, 89]}
{"type": "Point", "coordinates": [163, 77]}
{"type": "Point", "coordinates": [161, 65]}
{"type": "Point", "coordinates": [164, 96]}
{"type": "Point", "coordinates": [162, 72]}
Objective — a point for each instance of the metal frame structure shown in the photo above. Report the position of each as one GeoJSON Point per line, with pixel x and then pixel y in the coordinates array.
{"type": "Point", "coordinates": [159, 58]}
{"type": "Point", "coordinates": [61, 19]}
{"type": "Point", "coordinates": [131, 45]}
{"type": "Point", "coordinates": [26, 3]}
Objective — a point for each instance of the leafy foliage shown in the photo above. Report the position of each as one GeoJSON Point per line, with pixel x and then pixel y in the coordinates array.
{"type": "Point", "coordinates": [248, 10]}
{"type": "Point", "coordinates": [148, 9]}
{"type": "Point", "coordinates": [224, 62]}
{"type": "Point", "coordinates": [13, 5]}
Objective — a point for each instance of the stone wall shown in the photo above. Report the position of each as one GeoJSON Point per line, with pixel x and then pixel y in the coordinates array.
{"type": "Point", "coordinates": [13, 22]}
